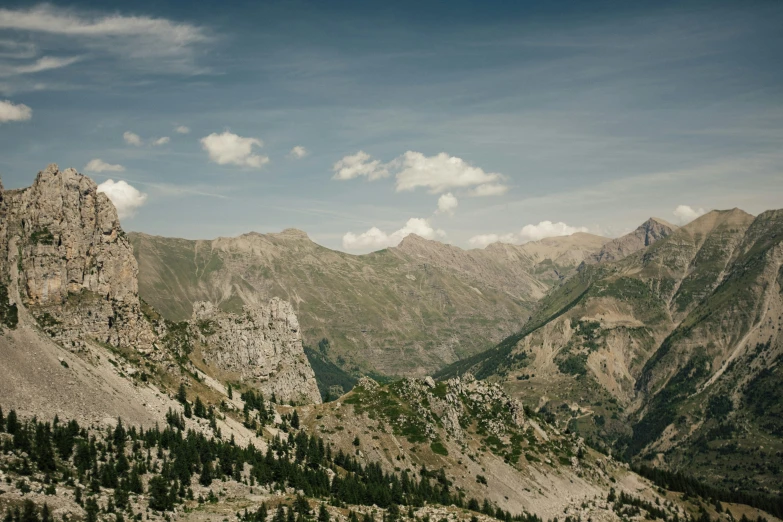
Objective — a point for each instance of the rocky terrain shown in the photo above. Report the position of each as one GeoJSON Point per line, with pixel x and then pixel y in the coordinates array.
{"type": "Point", "coordinates": [645, 235]}
{"type": "Point", "coordinates": [70, 312]}
{"type": "Point", "coordinates": [262, 346]}
{"type": "Point", "coordinates": [662, 347]}
{"type": "Point", "coordinates": [406, 310]}
{"type": "Point", "coordinates": [665, 353]}
{"type": "Point", "coordinates": [63, 249]}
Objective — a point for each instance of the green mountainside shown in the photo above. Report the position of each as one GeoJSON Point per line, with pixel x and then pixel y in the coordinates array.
{"type": "Point", "coordinates": [671, 354]}
{"type": "Point", "coordinates": [408, 310]}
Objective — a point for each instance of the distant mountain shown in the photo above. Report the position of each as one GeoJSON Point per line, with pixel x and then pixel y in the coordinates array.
{"type": "Point", "coordinates": [645, 235]}
{"type": "Point", "coordinates": [407, 310]}
{"type": "Point", "coordinates": [671, 353]}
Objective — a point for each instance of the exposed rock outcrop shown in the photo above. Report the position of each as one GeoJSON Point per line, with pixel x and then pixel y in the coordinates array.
{"type": "Point", "coordinates": [459, 402]}
{"type": "Point", "coordinates": [263, 344]}
{"type": "Point", "coordinates": [74, 268]}
{"type": "Point", "coordinates": [645, 235]}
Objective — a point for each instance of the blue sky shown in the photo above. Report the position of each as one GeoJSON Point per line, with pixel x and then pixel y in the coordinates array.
{"type": "Point", "coordinates": [476, 121]}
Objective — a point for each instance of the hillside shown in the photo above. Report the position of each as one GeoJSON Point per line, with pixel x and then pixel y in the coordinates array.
{"type": "Point", "coordinates": [108, 409]}
{"type": "Point", "coordinates": [407, 310]}
{"type": "Point", "coordinates": [664, 354]}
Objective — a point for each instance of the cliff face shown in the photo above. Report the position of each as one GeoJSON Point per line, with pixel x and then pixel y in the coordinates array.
{"type": "Point", "coordinates": [263, 344]}
{"type": "Point", "coordinates": [73, 266]}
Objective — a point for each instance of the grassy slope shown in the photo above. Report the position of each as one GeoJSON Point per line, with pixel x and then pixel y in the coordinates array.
{"type": "Point", "coordinates": [392, 311]}
{"type": "Point", "coordinates": [704, 286]}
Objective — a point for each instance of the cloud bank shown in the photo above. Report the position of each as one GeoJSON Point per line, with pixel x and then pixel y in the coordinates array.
{"type": "Point", "coordinates": [528, 233]}
{"type": "Point", "coordinates": [412, 170]}
{"type": "Point", "coordinates": [126, 199]}
{"type": "Point", "coordinates": [374, 238]}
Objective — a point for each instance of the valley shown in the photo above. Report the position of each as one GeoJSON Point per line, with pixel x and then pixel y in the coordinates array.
{"type": "Point", "coordinates": [166, 379]}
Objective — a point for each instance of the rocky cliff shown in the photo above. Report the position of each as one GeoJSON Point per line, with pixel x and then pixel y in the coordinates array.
{"type": "Point", "coordinates": [262, 345]}
{"type": "Point", "coordinates": [64, 255]}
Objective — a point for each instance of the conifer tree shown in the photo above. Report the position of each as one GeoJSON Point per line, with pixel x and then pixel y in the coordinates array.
{"type": "Point", "coordinates": [279, 514]}
{"type": "Point", "coordinates": [323, 514]}
{"type": "Point", "coordinates": [205, 479]}
{"type": "Point", "coordinates": [182, 395]}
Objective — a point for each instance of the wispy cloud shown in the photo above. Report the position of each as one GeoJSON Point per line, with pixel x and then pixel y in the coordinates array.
{"type": "Point", "coordinates": [142, 43]}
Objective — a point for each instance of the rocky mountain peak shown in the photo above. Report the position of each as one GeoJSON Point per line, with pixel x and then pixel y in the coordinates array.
{"type": "Point", "coordinates": [68, 259]}
{"type": "Point", "coordinates": [643, 236]}
{"type": "Point", "coordinates": [414, 242]}
{"type": "Point", "coordinates": [292, 233]}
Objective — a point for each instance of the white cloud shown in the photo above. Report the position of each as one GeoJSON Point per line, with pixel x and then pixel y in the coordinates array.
{"type": "Point", "coordinates": [528, 233]}
{"type": "Point", "coordinates": [489, 189]}
{"type": "Point", "coordinates": [375, 238]}
{"type": "Point", "coordinates": [483, 240]}
{"type": "Point", "coordinates": [182, 129]}
{"type": "Point", "coordinates": [126, 198]}
{"type": "Point", "coordinates": [14, 111]}
{"type": "Point", "coordinates": [44, 63]}
{"type": "Point", "coordinates": [98, 165]}
{"type": "Point", "coordinates": [131, 138]}
{"type": "Point", "coordinates": [447, 204]}
{"type": "Point", "coordinates": [359, 164]}
{"type": "Point", "coordinates": [439, 173]}
{"type": "Point", "coordinates": [686, 214]}
{"type": "Point", "coordinates": [230, 149]}
{"type": "Point", "coordinates": [298, 152]}
{"type": "Point", "coordinates": [161, 141]}
{"type": "Point", "coordinates": [131, 36]}
{"type": "Point", "coordinates": [547, 229]}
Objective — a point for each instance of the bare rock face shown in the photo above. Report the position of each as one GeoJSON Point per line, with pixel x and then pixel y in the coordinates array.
{"type": "Point", "coordinates": [645, 235]}
{"type": "Point", "coordinates": [263, 344]}
{"type": "Point", "coordinates": [62, 245]}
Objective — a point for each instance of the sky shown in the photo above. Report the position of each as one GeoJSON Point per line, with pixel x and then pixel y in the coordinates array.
{"type": "Point", "coordinates": [362, 122]}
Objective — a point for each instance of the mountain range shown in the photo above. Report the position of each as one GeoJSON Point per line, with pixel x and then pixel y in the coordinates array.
{"type": "Point", "coordinates": [577, 377]}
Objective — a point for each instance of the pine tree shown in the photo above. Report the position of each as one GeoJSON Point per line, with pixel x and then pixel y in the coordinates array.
{"type": "Point", "coordinates": [91, 510]}
{"type": "Point", "coordinates": [29, 512]}
{"type": "Point", "coordinates": [182, 395]}
{"type": "Point", "coordinates": [205, 479]}
{"type": "Point", "coordinates": [46, 514]}
{"type": "Point", "coordinates": [11, 423]}
{"type": "Point", "coordinates": [279, 514]}
{"type": "Point", "coordinates": [199, 409]}
{"type": "Point", "coordinates": [323, 514]}
{"type": "Point", "coordinates": [262, 513]}
{"type": "Point", "coordinates": [301, 505]}
{"type": "Point", "coordinates": [230, 391]}
{"type": "Point", "coordinates": [159, 493]}
{"type": "Point", "coordinates": [295, 420]}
